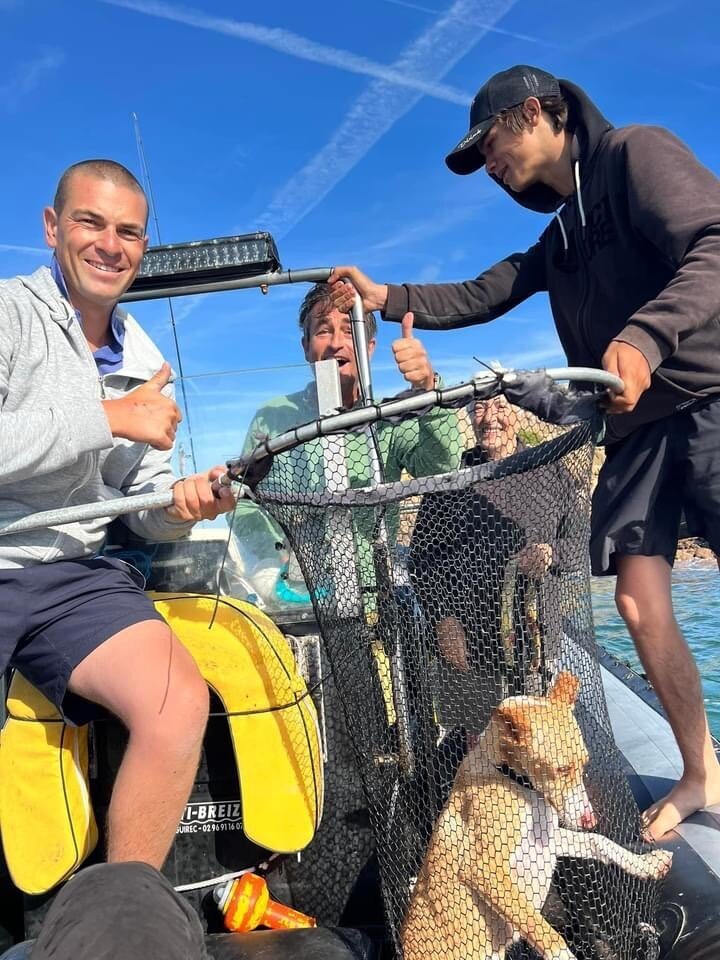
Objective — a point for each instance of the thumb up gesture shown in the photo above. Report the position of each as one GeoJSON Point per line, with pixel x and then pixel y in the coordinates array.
{"type": "Point", "coordinates": [145, 414]}
{"type": "Point", "coordinates": [411, 357]}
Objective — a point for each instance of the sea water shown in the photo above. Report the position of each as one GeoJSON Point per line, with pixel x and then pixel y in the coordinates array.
{"type": "Point", "coordinates": [696, 597]}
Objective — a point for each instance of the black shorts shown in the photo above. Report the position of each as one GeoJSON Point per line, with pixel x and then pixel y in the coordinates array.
{"type": "Point", "coordinates": [53, 615]}
{"type": "Point", "coordinates": [649, 480]}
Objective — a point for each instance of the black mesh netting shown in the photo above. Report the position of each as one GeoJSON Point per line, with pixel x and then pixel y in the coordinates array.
{"type": "Point", "coordinates": [455, 610]}
{"type": "Point", "coordinates": [323, 877]}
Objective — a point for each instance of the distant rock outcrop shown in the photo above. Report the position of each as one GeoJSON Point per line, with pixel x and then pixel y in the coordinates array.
{"type": "Point", "coordinates": [696, 550]}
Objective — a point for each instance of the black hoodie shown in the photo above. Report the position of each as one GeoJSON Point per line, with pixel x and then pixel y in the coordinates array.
{"type": "Point", "coordinates": [633, 255]}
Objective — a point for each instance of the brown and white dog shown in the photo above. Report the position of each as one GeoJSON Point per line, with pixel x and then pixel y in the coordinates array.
{"type": "Point", "coordinates": [491, 857]}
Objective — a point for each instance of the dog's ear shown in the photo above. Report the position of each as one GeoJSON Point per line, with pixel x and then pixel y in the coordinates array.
{"type": "Point", "coordinates": [565, 689]}
{"type": "Point", "coordinates": [514, 721]}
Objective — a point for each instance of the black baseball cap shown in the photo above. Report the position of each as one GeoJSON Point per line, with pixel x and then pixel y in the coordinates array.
{"type": "Point", "coordinates": [502, 91]}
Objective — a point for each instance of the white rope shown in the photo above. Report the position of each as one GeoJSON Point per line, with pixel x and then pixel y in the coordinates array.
{"type": "Point", "coordinates": [216, 881]}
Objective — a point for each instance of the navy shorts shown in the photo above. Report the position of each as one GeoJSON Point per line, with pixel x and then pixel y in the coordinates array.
{"type": "Point", "coordinates": [52, 615]}
{"type": "Point", "coordinates": [650, 479]}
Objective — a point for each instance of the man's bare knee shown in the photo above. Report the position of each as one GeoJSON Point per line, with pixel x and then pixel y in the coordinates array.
{"type": "Point", "coordinates": [643, 595]}
{"type": "Point", "coordinates": [628, 608]}
{"type": "Point", "coordinates": [147, 678]}
{"type": "Point", "coordinates": [178, 722]}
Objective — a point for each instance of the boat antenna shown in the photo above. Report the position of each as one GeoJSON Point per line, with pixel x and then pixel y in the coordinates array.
{"type": "Point", "coordinates": [145, 174]}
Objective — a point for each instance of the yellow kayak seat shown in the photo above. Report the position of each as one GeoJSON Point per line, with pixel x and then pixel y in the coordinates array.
{"type": "Point", "coordinates": [46, 818]}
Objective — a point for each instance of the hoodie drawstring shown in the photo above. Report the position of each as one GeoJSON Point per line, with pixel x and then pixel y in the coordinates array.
{"type": "Point", "coordinates": [563, 231]}
{"type": "Point", "coordinates": [581, 208]}
{"type": "Point", "coordinates": [578, 191]}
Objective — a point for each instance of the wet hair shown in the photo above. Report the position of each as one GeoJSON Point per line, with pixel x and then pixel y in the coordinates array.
{"type": "Point", "coordinates": [516, 120]}
{"type": "Point", "coordinates": [320, 293]}
{"type": "Point", "coordinates": [102, 170]}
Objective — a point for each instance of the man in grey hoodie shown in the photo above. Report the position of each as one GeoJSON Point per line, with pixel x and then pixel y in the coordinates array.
{"type": "Point", "coordinates": [630, 262]}
{"type": "Point", "coordinates": [86, 414]}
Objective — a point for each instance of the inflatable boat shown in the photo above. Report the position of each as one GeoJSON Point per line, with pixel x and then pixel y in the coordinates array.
{"type": "Point", "coordinates": [318, 785]}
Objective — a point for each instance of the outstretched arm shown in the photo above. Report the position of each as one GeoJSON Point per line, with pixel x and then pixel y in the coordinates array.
{"type": "Point", "coordinates": [447, 306]}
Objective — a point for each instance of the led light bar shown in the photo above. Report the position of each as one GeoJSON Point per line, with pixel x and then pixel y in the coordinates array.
{"type": "Point", "coordinates": [203, 261]}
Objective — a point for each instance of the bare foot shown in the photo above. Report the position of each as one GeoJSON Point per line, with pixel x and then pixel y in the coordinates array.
{"type": "Point", "coordinates": [685, 798]}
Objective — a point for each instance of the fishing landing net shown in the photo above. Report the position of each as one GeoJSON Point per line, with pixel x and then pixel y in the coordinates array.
{"type": "Point", "coordinates": [446, 554]}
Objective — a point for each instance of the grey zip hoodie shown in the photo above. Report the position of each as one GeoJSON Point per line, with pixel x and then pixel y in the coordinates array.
{"type": "Point", "coordinates": [56, 448]}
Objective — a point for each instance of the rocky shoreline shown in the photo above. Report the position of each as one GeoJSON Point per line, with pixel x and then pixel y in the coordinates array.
{"type": "Point", "coordinates": [694, 550]}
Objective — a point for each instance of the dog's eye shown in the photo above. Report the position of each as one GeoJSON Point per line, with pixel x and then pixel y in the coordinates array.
{"type": "Point", "coordinates": [564, 771]}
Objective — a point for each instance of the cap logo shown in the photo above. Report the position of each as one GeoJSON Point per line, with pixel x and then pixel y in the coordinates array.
{"type": "Point", "coordinates": [470, 138]}
{"type": "Point", "coordinates": [532, 82]}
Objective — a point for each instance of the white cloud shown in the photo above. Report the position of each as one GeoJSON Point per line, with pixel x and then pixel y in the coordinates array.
{"type": "Point", "coordinates": [394, 91]}
{"type": "Point", "coordinates": [283, 41]}
{"type": "Point", "coordinates": [419, 231]}
{"type": "Point", "coordinates": [27, 77]}
{"type": "Point", "coordinates": [471, 22]}
{"type": "Point", "coordinates": [432, 55]}
{"type": "Point", "coordinates": [534, 358]}
{"type": "Point", "coordinates": [182, 307]}
{"type": "Point", "coordinates": [705, 87]}
{"type": "Point", "coordinates": [33, 251]}
{"type": "Point", "coordinates": [430, 272]}
{"type": "Point", "coordinates": [636, 19]}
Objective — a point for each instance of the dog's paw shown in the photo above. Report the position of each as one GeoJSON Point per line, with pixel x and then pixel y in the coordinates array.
{"type": "Point", "coordinates": [657, 864]}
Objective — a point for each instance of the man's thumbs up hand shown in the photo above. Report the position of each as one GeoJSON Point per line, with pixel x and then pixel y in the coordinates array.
{"type": "Point", "coordinates": [146, 415]}
{"type": "Point", "coordinates": [411, 357]}
{"type": "Point", "coordinates": [406, 325]}
{"type": "Point", "coordinates": [160, 379]}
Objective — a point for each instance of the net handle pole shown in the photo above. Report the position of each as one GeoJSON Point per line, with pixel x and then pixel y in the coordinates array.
{"type": "Point", "coordinates": [360, 345]}
{"type": "Point", "coordinates": [88, 511]}
{"type": "Point", "coordinates": [265, 280]}
{"type": "Point", "coordinates": [587, 375]}
{"type": "Point", "coordinates": [381, 549]}
{"type": "Point", "coordinates": [357, 417]}
{"type": "Point", "coordinates": [286, 441]}
{"type": "Point", "coordinates": [358, 327]}
{"type": "Point", "coordinates": [361, 416]}
{"type": "Point", "coordinates": [416, 401]}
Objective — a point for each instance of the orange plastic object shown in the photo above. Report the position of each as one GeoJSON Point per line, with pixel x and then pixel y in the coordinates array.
{"type": "Point", "coordinates": [248, 905]}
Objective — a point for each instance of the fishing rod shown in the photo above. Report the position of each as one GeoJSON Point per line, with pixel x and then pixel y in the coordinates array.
{"type": "Point", "coordinates": [145, 174]}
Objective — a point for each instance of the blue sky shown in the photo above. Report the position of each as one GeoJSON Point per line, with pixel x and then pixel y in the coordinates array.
{"type": "Point", "coordinates": [327, 124]}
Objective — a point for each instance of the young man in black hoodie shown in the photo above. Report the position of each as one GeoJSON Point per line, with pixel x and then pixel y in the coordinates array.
{"type": "Point", "coordinates": [631, 262]}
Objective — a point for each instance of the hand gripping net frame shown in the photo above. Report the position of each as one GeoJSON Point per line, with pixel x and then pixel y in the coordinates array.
{"type": "Point", "coordinates": [439, 596]}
